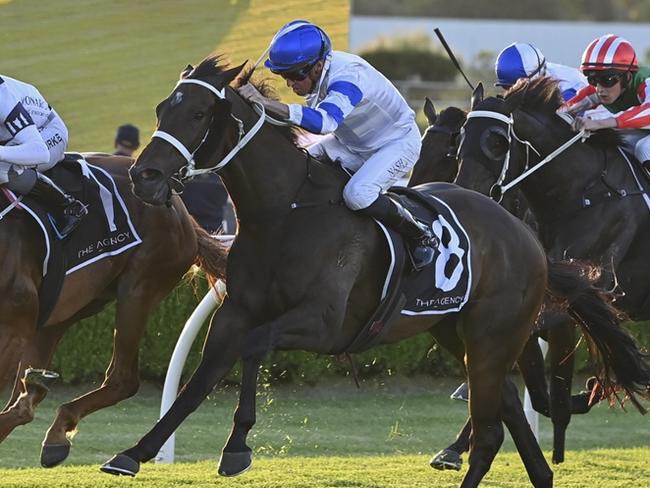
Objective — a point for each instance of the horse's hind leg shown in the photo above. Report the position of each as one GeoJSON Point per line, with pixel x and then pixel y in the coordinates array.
{"type": "Point", "coordinates": [562, 341]}
{"type": "Point", "coordinates": [523, 437]}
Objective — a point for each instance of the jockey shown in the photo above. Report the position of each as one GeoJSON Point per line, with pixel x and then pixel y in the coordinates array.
{"type": "Point", "coordinates": [617, 82]}
{"type": "Point", "coordinates": [370, 128]}
{"type": "Point", "coordinates": [520, 60]}
{"type": "Point", "coordinates": [34, 139]}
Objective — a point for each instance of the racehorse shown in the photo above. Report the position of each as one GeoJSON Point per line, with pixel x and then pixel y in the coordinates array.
{"type": "Point", "coordinates": [587, 202]}
{"type": "Point", "coordinates": [138, 279]}
{"type": "Point", "coordinates": [306, 273]}
{"type": "Point", "coordinates": [438, 162]}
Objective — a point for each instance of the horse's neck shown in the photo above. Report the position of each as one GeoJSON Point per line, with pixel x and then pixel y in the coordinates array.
{"type": "Point", "coordinates": [266, 175]}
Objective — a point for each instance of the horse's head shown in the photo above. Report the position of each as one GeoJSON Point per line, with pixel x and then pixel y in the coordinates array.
{"type": "Point", "coordinates": [437, 160]}
{"type": "Point", "coordinates": [194, 124]}
{"type": "Point", "coordinates": [504, 136]}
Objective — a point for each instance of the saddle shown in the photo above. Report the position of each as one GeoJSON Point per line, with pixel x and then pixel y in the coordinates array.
{"type": "Point", "coordinates": [440, 288]}
{"type": "Point", "coordinates": [106, 231]}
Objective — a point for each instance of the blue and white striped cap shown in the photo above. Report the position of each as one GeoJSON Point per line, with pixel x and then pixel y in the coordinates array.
{"type": "Point", "coordinates": [516, 61]}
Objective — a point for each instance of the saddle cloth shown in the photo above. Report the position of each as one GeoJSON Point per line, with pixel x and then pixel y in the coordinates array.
{"type": "Point", "coordinates": [106, 231]}
{"type": "Point", "coordinates": [440, 288]}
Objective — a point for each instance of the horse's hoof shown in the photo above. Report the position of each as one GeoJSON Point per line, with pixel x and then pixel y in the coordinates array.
{"type": "Point", "coordinates": [235, 463]}
{"type": "Point", "coordinates": [54, 454]}
{"type": "Point", "coordinates": [41, 378]}
{"type": "Point", "coordinates": [446, 459]}
{"type": "Point", "coordinates": [121, 464]}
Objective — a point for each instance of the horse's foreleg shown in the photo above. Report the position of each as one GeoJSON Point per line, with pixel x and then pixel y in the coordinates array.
{"type": "Point", "coordinates": [121, 380]}
{"type": "Point", "coordinates": [236, 457]}
{"type": "Point", "coordinates": [221, 349]}
{"type": "Point", "coordinates": [531, 366]}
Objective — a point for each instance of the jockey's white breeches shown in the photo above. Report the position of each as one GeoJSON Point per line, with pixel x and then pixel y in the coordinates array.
{"type": "Point", "coordinates": [55, 136]}
{"type": "Point", "coordinates": [373, 172]}
{"type": "Point", "coordinates": [637, 142]}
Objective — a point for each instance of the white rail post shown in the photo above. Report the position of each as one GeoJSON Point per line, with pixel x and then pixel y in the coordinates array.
{"type": "Point", "coordinates": [191, 329]}
{"type": "Point", "coordinates": [531, 415]}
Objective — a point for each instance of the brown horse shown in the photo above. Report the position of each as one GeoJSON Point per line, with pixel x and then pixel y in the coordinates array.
{"type": "Point", "coordinates": [138, 279]}
{"type": "Point", "coordinates": [306, 273]}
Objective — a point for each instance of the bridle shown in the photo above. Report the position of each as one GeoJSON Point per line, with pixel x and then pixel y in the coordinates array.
{"type": "Point", "coordinates": [498, 189]}
{"type": "Point", "coordinates": [189, 170]}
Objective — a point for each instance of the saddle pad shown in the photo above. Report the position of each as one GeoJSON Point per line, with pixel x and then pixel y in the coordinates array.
{"type": "Point", "coordinates": [106, 231]}
{"type": "Point", "coordinates": [443, 286]}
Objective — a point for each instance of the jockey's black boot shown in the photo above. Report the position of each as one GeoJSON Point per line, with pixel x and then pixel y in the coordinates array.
{"type": "Point", "coordinates": [50, 195]}
{"type": "Point", "coordinates": [418, 236]}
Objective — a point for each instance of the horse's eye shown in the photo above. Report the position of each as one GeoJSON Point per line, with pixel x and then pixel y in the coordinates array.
{"type": "Point", "coordinates": [199, 115]}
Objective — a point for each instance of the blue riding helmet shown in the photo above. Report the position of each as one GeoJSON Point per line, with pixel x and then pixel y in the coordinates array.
{"type": "Point", "coordinates": [518, 61]}
{"type": "Point", "coordinates": [298, 45]}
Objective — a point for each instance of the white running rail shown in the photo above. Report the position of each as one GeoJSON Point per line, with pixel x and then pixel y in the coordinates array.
{"type": "Point", "coordinates": [531, 415]}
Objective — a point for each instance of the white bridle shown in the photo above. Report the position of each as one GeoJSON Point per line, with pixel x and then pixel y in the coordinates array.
{"type": "Point", "coordinates": [244, 137]}
{"type": "Point", "coordinates": [498, 189]}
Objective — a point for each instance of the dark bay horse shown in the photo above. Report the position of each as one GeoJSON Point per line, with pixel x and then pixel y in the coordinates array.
{"type": "Point", "coordinates": [438, 162]}
{"type": "Point", "coordinates": [138, 279]}
{"type": "Point", "coordinates": [586, 201]}
{"type": "Point", "coordinates": [306, 273]}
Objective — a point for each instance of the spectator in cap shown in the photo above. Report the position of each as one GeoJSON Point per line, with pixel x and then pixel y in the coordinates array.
{"type": "Point", "coordinates": [127, 140]}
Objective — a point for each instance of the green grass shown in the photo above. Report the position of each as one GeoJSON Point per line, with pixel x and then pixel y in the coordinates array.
{"type": "Point", "coordinates": [331, 435]}
{"type": "Point", "coordinates": [101, 63]}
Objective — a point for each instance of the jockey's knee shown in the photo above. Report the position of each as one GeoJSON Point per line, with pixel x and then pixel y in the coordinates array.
{"type": "Point", "coordinates": [22, 182]}
{"type": "Point", "coordinates": [358, 197]}
{"type": "Point", "coordinates": [642, 149]}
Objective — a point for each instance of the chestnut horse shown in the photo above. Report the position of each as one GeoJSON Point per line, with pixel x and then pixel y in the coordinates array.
{"type": "Point", "coordinates": [137, 279]}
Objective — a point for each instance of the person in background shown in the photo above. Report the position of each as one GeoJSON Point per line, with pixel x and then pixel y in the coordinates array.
{"type": "Point", "coordinates": [127, 140]}
{"type": "Point", "coordinates": [206, 200]}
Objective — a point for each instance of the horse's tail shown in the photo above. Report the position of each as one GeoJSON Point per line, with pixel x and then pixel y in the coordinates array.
{"type": "Point", "coordinates": [212, 254]}
{"type": "Point", "coordinates": [613, 348]}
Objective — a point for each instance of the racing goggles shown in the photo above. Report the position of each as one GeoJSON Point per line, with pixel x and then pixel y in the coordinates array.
{"type": "Point", "coordinates": [295, 74]}
{"type": "Point", "coordinates": [606, 80]}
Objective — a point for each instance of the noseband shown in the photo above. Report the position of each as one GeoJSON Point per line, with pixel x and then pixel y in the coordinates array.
{"type": "Point", "coordinates": [189, 170]}
{"type": "Point", "coordinates": [498, 189]}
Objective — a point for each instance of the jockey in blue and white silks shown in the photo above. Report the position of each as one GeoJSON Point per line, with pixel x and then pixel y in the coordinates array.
{"type": "Point", "coordinates": [33, 139]}
{"type": "Point", "coordinates": [368, 125]}
{"type": "Point", "coordinates": [520, 60]}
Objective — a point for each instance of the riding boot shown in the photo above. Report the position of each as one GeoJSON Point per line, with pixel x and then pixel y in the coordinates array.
{"type": "Point", "coordinates": [50, 195]}
{"type": "Point", "coordinates": [418, 236]}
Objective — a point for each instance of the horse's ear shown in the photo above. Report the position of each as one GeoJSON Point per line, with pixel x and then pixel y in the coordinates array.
{"type": "Point", "coordinates": [229, 75]}
{"type": "Point", "coordinates": [514, 100]}
{"type": "Point", "coordinates": [185, 72]}
{"type": "Point", "coordinates": [477, 96]}
{"type": "Point", "coordinates": [430, 111]}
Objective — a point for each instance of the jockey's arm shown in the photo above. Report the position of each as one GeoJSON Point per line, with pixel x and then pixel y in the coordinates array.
{"type": "Point", "coordinates": [26, 148]}
{"type": "Point", "coordinates": [585, 99]}
{"type": "Point", "coordinates": [343, 94]}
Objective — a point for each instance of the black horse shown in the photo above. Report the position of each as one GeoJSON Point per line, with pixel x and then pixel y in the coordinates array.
{"type": "Point", "coordinates": [306, 273]}
{"type": "Point", "coordinates": [438, 162]}
{"type": "Point", "coordinates": [587, 202]}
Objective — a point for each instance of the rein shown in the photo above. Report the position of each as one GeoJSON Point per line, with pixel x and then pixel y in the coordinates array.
{"type": "Point", "coordinates": [189, 170]}
{"type": "Point", "coordinates": [498, 189]}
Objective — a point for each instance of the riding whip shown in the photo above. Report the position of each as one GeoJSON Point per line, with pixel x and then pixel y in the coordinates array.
{"type": "Point", "coordinates": [451, 56]}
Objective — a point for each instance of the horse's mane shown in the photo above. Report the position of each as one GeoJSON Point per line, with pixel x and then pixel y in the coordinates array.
{"type": "Point", "coordinates": [215, 65]}
{"type": "Point", "coordinates": [542, 95]}
{"type": "Point", "coordinates": [452, 117]}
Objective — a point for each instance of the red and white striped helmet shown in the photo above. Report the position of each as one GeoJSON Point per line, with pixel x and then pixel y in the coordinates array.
{"type": "Point", "coordinates": [609, 52]}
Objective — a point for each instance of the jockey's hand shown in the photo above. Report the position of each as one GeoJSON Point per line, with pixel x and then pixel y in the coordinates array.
{"type": "Point", "coordinates": [586, 123]}
{"type": "Point", "coordinates": [250, 93]}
